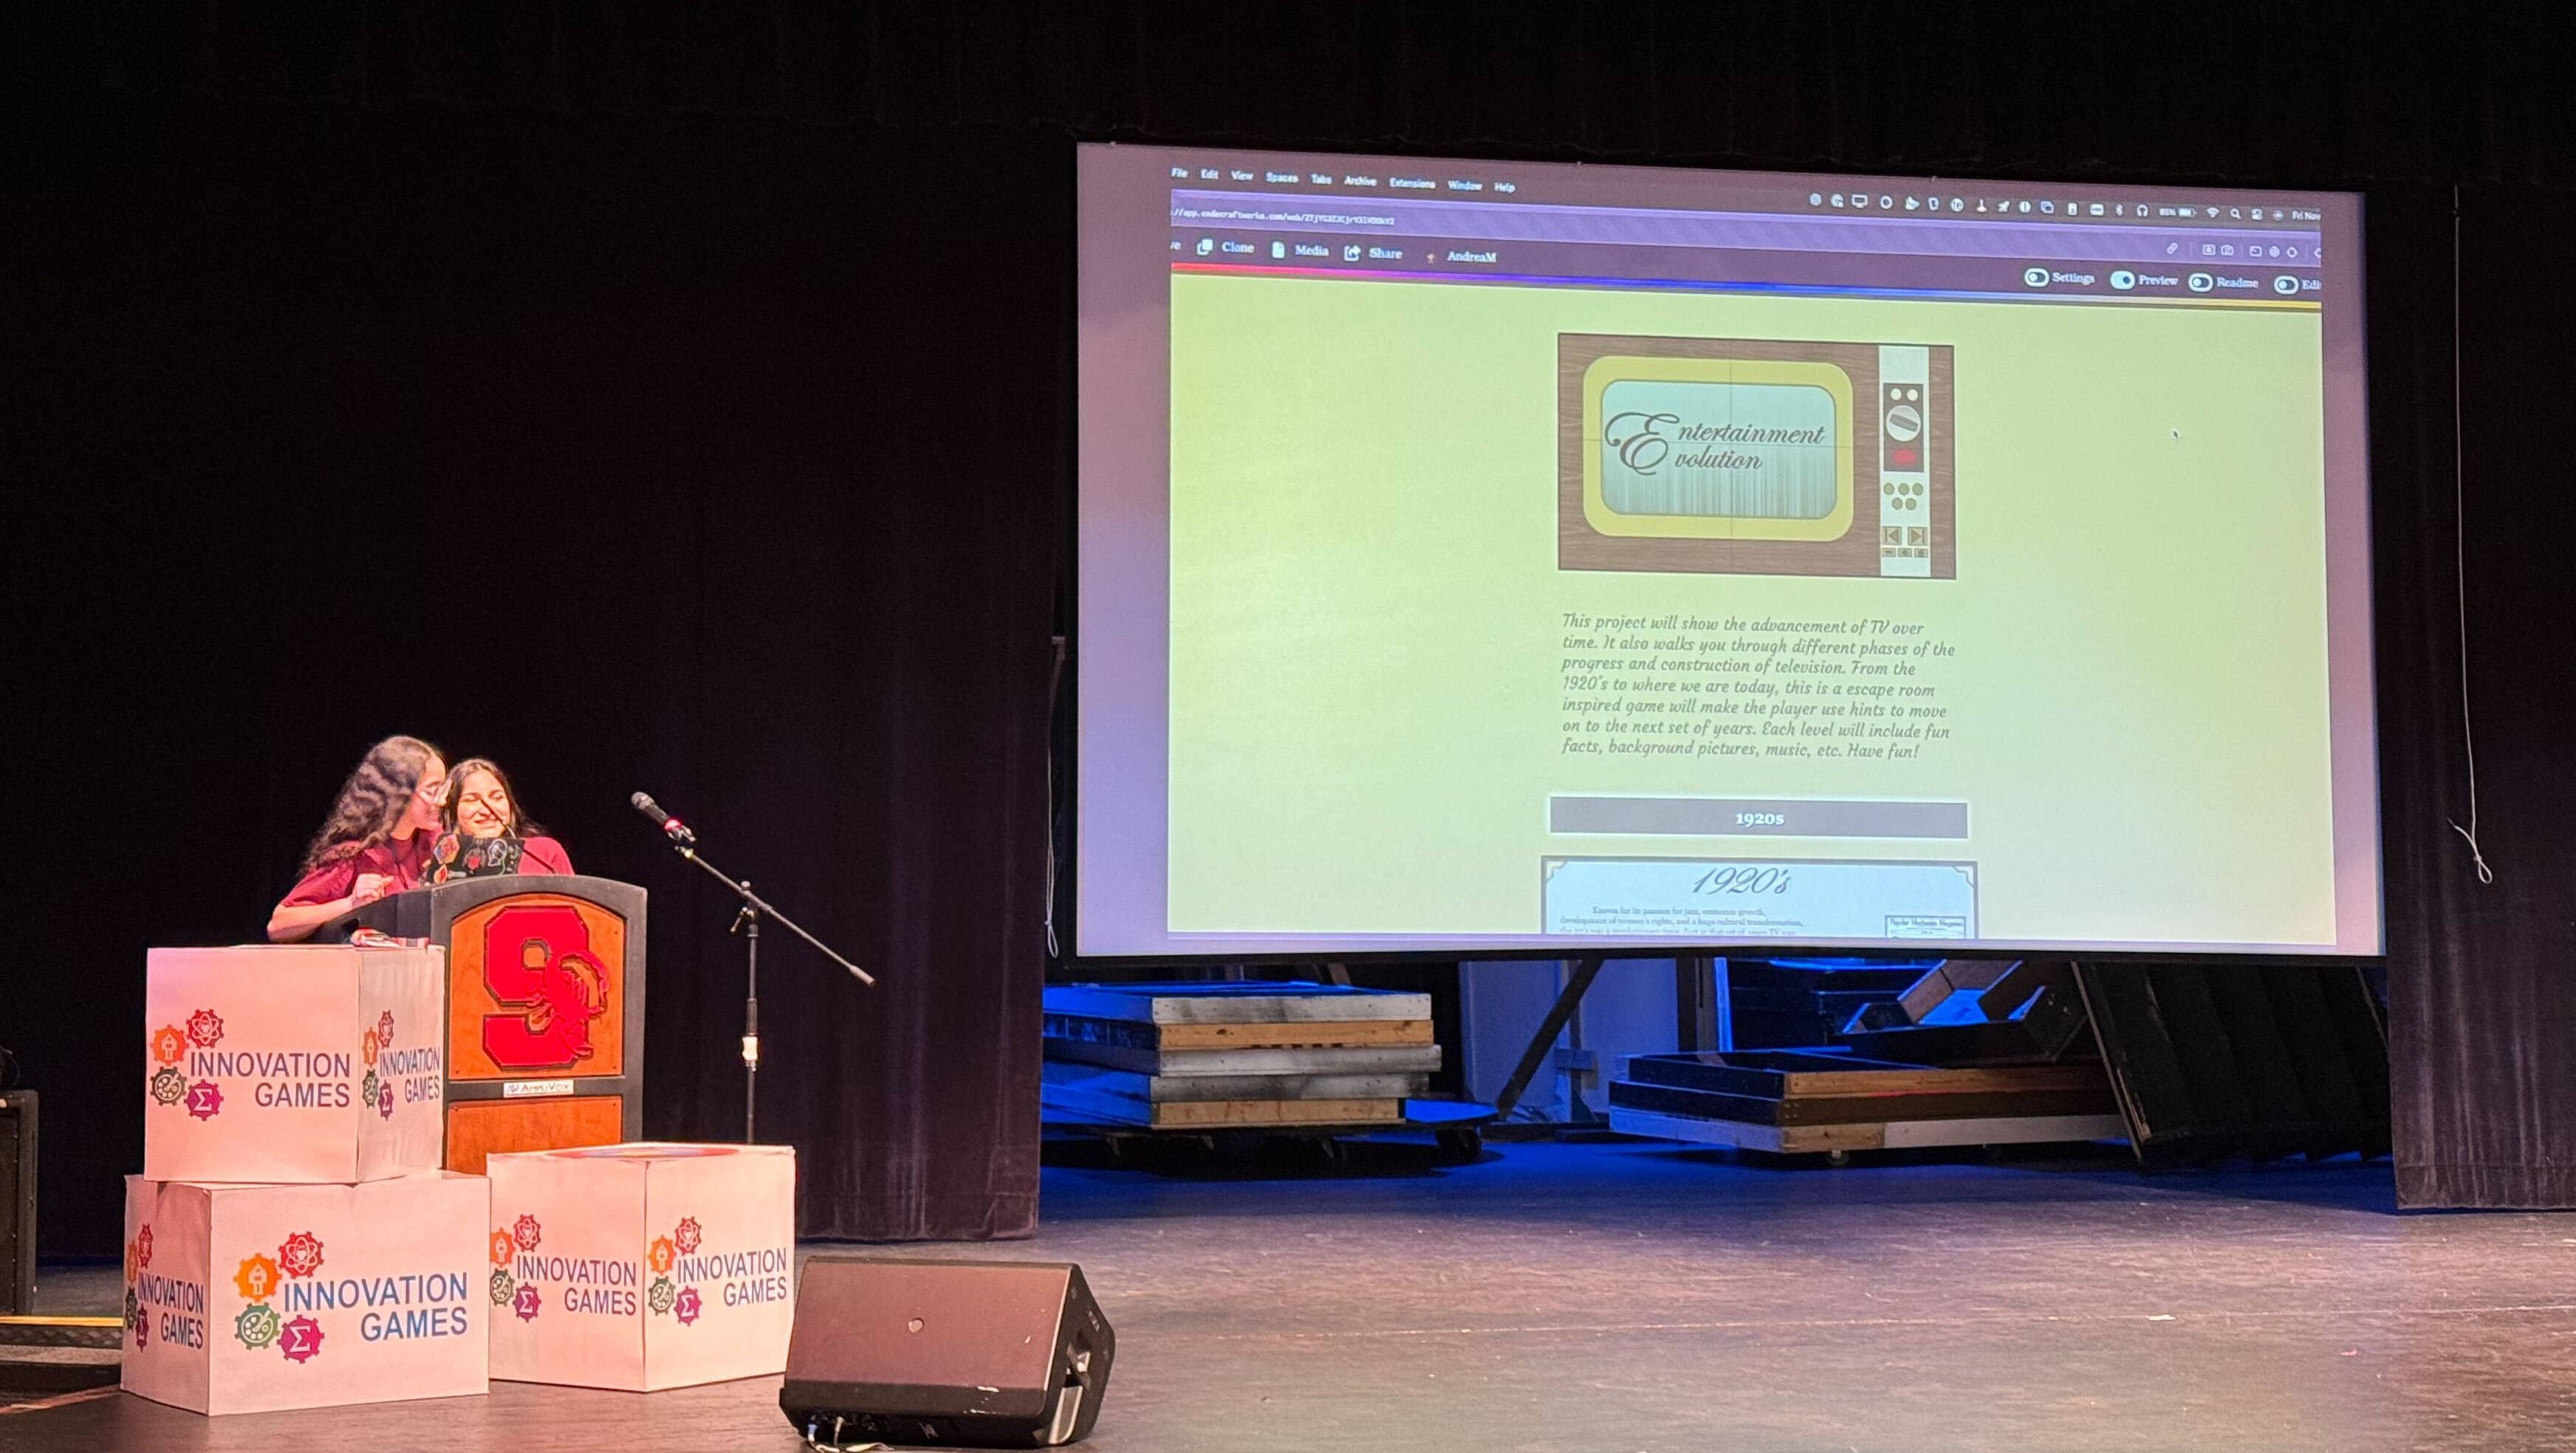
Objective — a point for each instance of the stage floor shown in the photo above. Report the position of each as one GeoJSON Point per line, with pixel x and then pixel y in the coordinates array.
{"type": "Point", "coordinates": [1626, 1295]}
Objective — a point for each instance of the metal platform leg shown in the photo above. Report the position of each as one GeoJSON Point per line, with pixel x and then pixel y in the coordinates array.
{"type": "Point", "coordinates": [1576, 985]}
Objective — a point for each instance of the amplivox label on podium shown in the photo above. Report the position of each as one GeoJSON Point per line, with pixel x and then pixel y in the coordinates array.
{"type": "Point", "coordinates": [523, 1089]}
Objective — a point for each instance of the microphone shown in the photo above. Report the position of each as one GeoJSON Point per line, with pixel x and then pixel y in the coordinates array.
{"type": "Point", "coordinates": [672, 828]}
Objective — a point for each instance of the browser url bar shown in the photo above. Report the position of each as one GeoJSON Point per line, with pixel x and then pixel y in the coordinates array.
{"type": "Point", "coordinates": [1750, 231]}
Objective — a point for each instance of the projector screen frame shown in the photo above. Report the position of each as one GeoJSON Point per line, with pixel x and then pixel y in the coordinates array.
{"type": "Point", "coordinates": [1067, 906]}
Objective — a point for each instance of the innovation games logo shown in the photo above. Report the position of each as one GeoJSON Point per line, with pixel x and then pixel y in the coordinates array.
{"type": "Point", "coordinates": [377, 1043]}
{"type": "Point", "coordinates": [285, 1294]}
{"type": "Point", "coordinates": [160, 1305]}
{"type": "Point", "coordinates": [665, 1297]}
{"type": "Point", "coordinates": [585, 1285]}
{"type": "Point", "coordinates": [170, 1048]}
{"type": "Point", "coordinates": [682, 1262]}
{"type": "Point", "coordinates": [259, 1279]}
{"type": "Point", "coordinates": [188, 1067]}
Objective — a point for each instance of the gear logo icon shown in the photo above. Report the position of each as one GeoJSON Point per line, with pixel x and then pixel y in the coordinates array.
{"type": "Point", "coordinates": [502, 1246]}
{"type": "Point", "coordinates": [300, 1255]}
{"type": "Point", "coordinates": [502, 1286]}
{"type": "Point", "coordinates": [688, 1306]}
{"type": "Point", "coordinates": [169, 1086]}
{"type": "Point", "coordinates": [256, 1327]}
{"type": "Point", "coordinates": [205, 1029]}
{"type": "Point", "coordinates": [205, 1100]}
{"type": "Point", "coordinates": [143, 1247]}
{"type": "Point", "coordinates": [686, 1237]}
{"type": "Point", "coordinates": [385, 1029]}
{"type": "Point", "coordinates": [385, 1101]}
{"type": "Point", "coordinates": [256, 1280]}
{"type": "Point", "coordinates": [168, 1044]}
{"type": "Point", "coordinates": [368, 1045]}
{"type": "Point", "coordinates": [660, 1255]}
{"type": "Point", "coordinates": [300, 1341]}
{"type": "Point", "coordinates": [527, 1303]}
{"type": "Point", "coordinates": [662, 1295]}
{"type": "Point", "coordinates": [527, 1233]}
{"type": "Point", "coordinates": [367, 1088]}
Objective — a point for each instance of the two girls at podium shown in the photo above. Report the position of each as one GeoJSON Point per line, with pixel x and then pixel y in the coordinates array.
{"type": "Point", "coordinates": [404, 820]}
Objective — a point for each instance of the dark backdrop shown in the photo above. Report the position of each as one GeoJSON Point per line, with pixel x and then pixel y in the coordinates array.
{"type": "Point", "coordinates": [677, 396]}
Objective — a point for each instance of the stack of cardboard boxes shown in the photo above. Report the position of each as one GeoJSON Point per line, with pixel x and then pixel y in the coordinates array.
{"type": "Point", "coordinates": [293, 1243]}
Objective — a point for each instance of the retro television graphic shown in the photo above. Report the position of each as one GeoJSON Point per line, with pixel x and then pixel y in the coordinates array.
{"type": "Point", "coordinates": [1755, 457]}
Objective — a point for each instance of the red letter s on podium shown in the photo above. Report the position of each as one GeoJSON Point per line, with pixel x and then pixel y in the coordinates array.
{"type": "Point", "coordinates": [537, 960]}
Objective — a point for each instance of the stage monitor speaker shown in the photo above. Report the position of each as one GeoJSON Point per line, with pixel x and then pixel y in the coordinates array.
{"type": "Point", "coordinates": [17, 1203]}
{"type": "Point", "coordinates": [984, 1354]}
{"type": "Point", "coordinates": [2211, 1061]}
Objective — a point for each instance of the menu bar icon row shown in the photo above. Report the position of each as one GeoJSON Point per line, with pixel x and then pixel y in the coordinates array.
{"type": "Point", "coordinates": [1994, 206]}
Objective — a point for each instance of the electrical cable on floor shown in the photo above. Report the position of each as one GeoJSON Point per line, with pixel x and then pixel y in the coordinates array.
{"type": "Point", "coordinates": [814, 1439]}
{"type": "Point", "coordinates": [2460, 551]}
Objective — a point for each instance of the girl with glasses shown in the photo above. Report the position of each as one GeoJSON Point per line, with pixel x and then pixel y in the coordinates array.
{"type": "Point", "coordinates": [376, 840]}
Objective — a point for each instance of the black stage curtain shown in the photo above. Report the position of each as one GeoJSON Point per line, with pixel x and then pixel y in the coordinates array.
{"type": "Point", "coordinates": [2481, 998]}
{"type": "Point", "coordinates": [714, 459]}
{"type": "Point", "coordinates": [677, 396]}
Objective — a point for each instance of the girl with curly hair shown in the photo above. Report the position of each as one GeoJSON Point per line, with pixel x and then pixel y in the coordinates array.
{"type": "Point", "coordinates": [376, 840]}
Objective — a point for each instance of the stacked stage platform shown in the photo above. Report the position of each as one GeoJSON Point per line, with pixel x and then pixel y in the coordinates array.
{"type": "Point", "coordinates": [1221, 1056]}
{"type": "Point", "coordinates": [1791, 1102]}
{"type": "Point", "coordinates": [1941, 1052]}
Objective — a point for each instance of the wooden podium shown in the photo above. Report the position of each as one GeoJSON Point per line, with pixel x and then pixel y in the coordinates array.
{"type": "Point", "coordinates": [545, 1008]}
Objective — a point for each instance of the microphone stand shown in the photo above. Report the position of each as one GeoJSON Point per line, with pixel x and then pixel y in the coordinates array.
{"type": "Point", "coordinates": [747, 922]}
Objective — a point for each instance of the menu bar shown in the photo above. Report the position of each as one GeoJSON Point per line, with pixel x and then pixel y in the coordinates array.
{"type": "Point", "coordinates": [1994, 201]}
{"type": "Point", "coordinates": [1362, 180]}
{"type": "Point", "coordinates": [1753, 231]}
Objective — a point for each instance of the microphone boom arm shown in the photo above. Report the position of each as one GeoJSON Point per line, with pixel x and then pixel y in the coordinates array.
{"type": "Point", "coordinates": [761, 906]}
{"type": "Point", "coordinates": [754, 909]}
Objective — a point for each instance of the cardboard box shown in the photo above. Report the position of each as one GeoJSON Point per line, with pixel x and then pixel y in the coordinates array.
{"type": "Point", "coordinates": [251, 1298]}
{"type": "Point", "coordinates": [642, 1266]}
{"type": "Point", "coordinates": [293, 1063]}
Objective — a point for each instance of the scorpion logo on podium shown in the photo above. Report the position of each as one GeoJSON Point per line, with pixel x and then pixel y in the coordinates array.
{"type": "Point", "coordinates": [538, 964]}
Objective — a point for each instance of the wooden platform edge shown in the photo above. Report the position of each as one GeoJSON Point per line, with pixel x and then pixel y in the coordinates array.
{"type": "Point", "coordinates": [1390, 1059]}
{"type": "Point", "coordinates": [1903, 1134]}
{"type": "Point", "coordinates": [1890, 1079]}
{"type": "Point", "coordinates": [1070, 1077]}
{"type": "Point", "coordinates": [1332, 1034]}
{"type": "Point", "coordinates": [1293, 1004]}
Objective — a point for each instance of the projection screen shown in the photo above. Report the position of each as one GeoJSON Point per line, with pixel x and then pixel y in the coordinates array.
{"type": "Point", "coordinates": [1488, 557]}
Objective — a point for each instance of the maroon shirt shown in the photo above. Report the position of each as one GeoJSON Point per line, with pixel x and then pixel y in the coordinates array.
{"type": "Point", "coordinates": [543, 855]}
{"type": "Point", "coordinates": [403, 860]}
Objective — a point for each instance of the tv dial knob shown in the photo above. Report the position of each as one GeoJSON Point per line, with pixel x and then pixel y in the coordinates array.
{"type": "Point", "coordinates": [1904, 423]}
